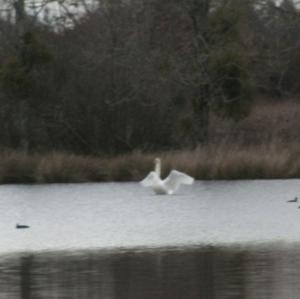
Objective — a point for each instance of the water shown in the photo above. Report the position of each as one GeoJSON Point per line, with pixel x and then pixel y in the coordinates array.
{"type": "Point", "coordinates": [71, 216]}
{"type": "Point", "coordinates": [213, 240]}
{"type": "Point", "coordinates": [258, 272]}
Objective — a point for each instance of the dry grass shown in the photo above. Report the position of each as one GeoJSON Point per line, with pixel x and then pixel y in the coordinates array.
{"type": "Point", "coordinates": [66, 168]}
{"type": "Point", "coordinates": [225, 162]}
{"type": "Point", "coordinates": [222, 162]}
{"type": "Point", "coordinates": [269, 123]}
{"type": "Point", "coordinates": [264, 145]}
{"type": "Point", "coordinates": [16, 167]}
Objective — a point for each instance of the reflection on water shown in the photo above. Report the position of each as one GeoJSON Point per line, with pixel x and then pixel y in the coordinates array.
{"type": "Point", "coordinates": [207, 273]}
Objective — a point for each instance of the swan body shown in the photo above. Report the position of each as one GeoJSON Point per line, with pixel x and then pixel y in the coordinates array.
{"type": "Point", "coordinates": [170, 184]}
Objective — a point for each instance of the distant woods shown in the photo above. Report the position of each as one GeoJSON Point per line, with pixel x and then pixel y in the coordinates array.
{"type": "Point", "coordinates": [140, 74]}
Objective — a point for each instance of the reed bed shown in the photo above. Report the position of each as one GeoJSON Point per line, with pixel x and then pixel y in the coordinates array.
{"type": "Point", "coordinates": [206, 163]}
{"type": "Point", "coordinates": [264, 145]}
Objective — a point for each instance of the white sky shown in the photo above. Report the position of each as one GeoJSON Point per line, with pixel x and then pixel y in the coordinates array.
{"type": "Point", "coordinates": [54, 9]}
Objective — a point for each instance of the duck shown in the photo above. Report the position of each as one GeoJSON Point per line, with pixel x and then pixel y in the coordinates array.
{"type": "Point", "coordinates": [170, 184]}
{"type": "Point", "coordinates": [22, 226]}
{"type": "Point", "coordinates": [293, 200]}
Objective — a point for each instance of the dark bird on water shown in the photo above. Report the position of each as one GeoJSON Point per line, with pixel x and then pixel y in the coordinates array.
{"type": "Point", "coordinates": [21, 226]}
{"type": "Point", "coordinates": [293, 200]}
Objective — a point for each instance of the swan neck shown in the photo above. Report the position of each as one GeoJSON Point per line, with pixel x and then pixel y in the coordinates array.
{"type": "Point", "coordinates": [158, 166]}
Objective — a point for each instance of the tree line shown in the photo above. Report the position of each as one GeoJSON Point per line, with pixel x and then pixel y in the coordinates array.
{"type": "Point", "coordinates": [140, 74]}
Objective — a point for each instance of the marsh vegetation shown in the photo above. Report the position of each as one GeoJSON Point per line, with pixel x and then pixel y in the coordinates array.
{"type": "Point", "coordinates": [263, 145]}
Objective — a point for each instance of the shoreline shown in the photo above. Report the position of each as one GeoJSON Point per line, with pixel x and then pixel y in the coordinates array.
{"type": "Point", "coordinates": [218, 162]}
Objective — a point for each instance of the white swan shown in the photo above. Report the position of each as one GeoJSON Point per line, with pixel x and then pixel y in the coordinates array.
{"type": "Point", "coordinates": [170, 184]}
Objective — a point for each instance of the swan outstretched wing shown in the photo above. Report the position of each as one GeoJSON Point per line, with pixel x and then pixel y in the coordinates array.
{"type": "Point", "coordinates": [149, 180]}
{"type": "Point", "coordinates": [176, 178]}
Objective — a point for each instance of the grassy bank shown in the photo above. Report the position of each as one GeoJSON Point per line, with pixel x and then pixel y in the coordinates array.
{"type": "Point", "coordinates": [266, 144]}
{"type": "Point", "coordinates": [223, 162]}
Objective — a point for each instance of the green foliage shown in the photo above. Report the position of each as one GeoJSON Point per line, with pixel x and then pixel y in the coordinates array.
{"type": "Point", "coordinates": [14, 79]}
{"type": "Point", "coordinates": [33, 51]}
{"type": "Point", "coordinates": [164, 67]}
{"type": "Point", "coordinates": [229, 63]}
{"type": "Point", "coordinates": [185, 126]}
{"type": "Point", "coordinates": [231, 72]}
{"type": "Point", "coordinates": [15, 73]}
{"type": "Point", "coordinates": [224, 25]}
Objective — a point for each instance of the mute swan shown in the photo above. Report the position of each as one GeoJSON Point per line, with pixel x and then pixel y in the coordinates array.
{"type": "Point", "coordinates": [170, 184]}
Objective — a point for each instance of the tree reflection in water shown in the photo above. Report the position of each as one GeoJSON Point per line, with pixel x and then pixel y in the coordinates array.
{"type": "Point", "coordinates": [204, 272]}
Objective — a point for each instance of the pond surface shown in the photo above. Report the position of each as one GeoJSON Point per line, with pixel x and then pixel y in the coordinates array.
{"type": "Point", "coordinates": [79, 216]}
{"type": "Point", "coordinates": [257, 272]}
{"type": "Point", "coordinates": [212, 240]}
